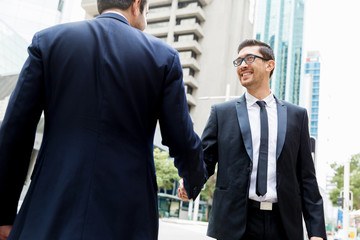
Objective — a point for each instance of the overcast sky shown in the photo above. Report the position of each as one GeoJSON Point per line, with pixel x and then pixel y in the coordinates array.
{"type": "Point", "coordinates": [332, 27]}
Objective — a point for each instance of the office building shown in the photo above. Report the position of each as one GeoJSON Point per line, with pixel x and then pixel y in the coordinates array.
{"type": "Point", "coordinates": [312, 69]}
{"type": "Point", "coordinates": [280, 24]}
{"type": "Point", "coordinates": [30, 16]}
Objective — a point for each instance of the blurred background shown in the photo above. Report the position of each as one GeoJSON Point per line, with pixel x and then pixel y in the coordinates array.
{"type": "Point", "coordinates": [316, 49]}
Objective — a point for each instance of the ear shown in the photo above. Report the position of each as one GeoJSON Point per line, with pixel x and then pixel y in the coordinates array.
{"type": "Point", "coordinates": [135, 7]}
{"type": "Point", "coordinates": [270, 65]}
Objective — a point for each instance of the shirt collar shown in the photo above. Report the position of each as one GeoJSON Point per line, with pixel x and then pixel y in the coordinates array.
{"type": "Point", "coordinates": [119, 13]}
{"type": "Point", "coordinates": [251, 100]}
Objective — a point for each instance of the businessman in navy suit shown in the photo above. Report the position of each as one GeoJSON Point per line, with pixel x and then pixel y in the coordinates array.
{"type": "Point", "coordinates": [266, 178]}
{"type": "Point", "coordinates": [102, 84]}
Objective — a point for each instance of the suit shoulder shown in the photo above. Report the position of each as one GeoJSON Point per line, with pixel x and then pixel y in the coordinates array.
{"type": "Point", "coordinates": [158, 43]}
{"type": "Point", "coordinates": [292, 106]}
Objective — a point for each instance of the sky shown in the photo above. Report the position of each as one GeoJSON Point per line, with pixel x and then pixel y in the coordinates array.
{"type": "Point", "coordinates": [332, 27]}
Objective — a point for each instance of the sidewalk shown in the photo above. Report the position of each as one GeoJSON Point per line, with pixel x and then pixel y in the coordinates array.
{"type": "Point", "coordinates": [179, 229]}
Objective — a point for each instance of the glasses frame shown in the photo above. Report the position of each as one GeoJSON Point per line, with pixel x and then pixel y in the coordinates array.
{"type": "Point", "coordinates": [248, 62]}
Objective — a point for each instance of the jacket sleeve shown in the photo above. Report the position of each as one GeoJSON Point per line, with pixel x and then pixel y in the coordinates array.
{"type": "Point", "coordinates": [17, 132]}
{"type": "Point", "coordinates": [312, 202]}
{"type": "Point", "coordinates": [177, 131]}
{"type": "Point", "coordinates": [209, 142]}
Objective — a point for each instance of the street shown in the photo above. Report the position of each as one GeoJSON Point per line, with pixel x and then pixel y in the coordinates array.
{"type": "Point", "coordinates": [176, 229]}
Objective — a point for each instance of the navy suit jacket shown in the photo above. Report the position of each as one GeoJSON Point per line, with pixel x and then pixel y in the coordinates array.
{"type": "Point", "coordinates": [227, 142]}
{"type": "Point", "coordinates": [102, 86]}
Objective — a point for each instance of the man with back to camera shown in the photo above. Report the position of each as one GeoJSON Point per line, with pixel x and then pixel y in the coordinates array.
{"type": "Point", "coordinates": [102, 85]}
{"type": "Point", "coordinates": [266, 178]}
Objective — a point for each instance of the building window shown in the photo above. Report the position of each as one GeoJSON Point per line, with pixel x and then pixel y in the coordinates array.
{"type": "Point", "coordinates": [158, 24]}
{"type": "Point", "coordinates": [185, 37]}
{"type": "Point", "coordinates": [189, 107]}
{"type": "Point", "coordinates": [161, 8]}
{"type": "Point", "coordinates": [187, 21]}
{"type": "Point", "coordinates": [187, 54]}
{"type": "Point", "coordinates": [188, 89]}
{"type": "Point", "coordinates": [60, 5]}
{"type": "Point", "coordinates": [190, 4]}
{"type": "Point", "coordinates": [164, 38]}
{"type": "Point", "coordinates": [315, 97]}
{"type": "Point", "coordinates": [187, 71]}
{"type": "Point", "coordinates": [315, 91]}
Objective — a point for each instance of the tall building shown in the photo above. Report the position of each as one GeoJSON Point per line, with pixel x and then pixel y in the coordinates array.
{"type": "Point", "coordinates": [30, 16]}
{"type": "Point", "coordinates": [280, 24]}
{"type": "Point", "coordinates": [312, 69]}
{"type": "Point", "coordinates": [206, 34]}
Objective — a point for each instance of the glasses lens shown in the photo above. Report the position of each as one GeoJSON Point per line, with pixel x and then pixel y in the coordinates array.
{"type": "Point", "coordinates": [237, 62]}
{"type": "Point", "coordinates": [250, 59]}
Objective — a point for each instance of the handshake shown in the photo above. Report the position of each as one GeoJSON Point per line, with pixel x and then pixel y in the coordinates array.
{"type": "Point", "coordinates": [182, 192]}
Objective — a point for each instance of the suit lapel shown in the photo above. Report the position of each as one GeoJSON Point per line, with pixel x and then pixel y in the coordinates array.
{"type": "Point", "coordinates": [243, 119]}
{"type": "Point", "coordinates": [282, 124]}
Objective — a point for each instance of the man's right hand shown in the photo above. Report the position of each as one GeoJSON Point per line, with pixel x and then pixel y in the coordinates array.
{"type": "Point", "coordinates": [181, 191]}
{"type": "Point", "coordinates": [5, 231]}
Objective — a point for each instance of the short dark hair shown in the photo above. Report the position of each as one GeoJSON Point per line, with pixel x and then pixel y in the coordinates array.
{"type": "Point", "coordinates": [120, 4]}
{"type": "Point", "coordinates": [265, 50]}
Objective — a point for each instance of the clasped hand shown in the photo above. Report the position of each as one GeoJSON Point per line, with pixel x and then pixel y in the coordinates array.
{"type": "Point", "coordinates": [5, 231]}
{"type": "Point", "coordinates": [182, 192]}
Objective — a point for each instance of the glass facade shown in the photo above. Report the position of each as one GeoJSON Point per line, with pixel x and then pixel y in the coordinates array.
{"type": "Point", "coordinates": [12, 50]}
{"type": "Point", "coordinates": [280, 24]}
{"type": "Point", "coordinates": [312, 67]}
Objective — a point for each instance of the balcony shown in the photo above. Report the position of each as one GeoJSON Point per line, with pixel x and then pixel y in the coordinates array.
{"type": "Point", "coordinates": [203, 2]}
{"type": "Point", "coordinates": [187, 45]}
{"type": "Point", "coordinates": [190, 80]}
{"type": "Point", "coordinates": [90, 6]}
{"type": "Point", "coordinates": [157, 32]}
{"type": "Point", "coordinates": [190, 62]}
{"type": "Point", "coordinates": [154, 3]}
{"type": "Point", "coordinates": [158, 16]}
{"type": "Point", "coordinates": [189, 28]}
{"type": "Point", "coordinates": [190, 99]}
{"type": "Point", "coordinates": [191, 12]}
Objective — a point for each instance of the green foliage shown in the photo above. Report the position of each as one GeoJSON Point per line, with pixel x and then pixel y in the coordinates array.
{"type": "Point", "coordinates": [354, 181]}
{"type": "Point", "coordinates": [208, 192]}
{"type": "Point", "coordinates": [166, 173]}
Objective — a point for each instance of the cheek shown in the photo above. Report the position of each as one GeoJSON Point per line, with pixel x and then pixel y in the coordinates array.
{"type": "Point", "coordinates": [238, 71]}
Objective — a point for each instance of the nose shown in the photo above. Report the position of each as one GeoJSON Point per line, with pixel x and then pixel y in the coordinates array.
{"type": "Point", "coordinates": [243, 64]}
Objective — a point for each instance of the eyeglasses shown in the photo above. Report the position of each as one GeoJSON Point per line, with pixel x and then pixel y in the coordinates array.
{"type": "Point", "coordinates": [248, 59]}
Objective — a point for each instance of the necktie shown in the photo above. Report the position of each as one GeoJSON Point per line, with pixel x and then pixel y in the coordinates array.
{"type": "Point", "coordinates": [261, 177]}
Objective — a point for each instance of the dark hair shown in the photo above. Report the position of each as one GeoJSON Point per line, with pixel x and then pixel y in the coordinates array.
{"type": "Point", "coordinates": [120, 4]}
{"type": "Point", "coordinates": [265, 50]}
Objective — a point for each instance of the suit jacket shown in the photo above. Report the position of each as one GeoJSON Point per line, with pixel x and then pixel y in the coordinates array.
{"type": "Point", "coordinates": [102, 85]}
{"type": "Point", "coordinates": [227, 141]}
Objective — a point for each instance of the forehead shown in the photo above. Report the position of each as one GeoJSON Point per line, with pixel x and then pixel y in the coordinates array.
{"type": "Point", "coordinates": [254, 50]}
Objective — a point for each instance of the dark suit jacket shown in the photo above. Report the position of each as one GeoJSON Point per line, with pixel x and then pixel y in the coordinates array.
{"type": "Point", "coordinates": [102, 85]}
{"type": "Point", "coordinates": [227, 141]}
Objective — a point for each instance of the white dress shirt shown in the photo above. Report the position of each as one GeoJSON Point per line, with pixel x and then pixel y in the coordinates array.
{"type": "Point", "coordinates": [254, 119]}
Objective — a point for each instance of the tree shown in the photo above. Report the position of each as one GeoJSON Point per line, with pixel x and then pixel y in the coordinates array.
{"type": "Point", "coordinates": [338, 179]}
{"type": "Point", "coordinates": [166, 173]}
{"type": "Point", "coordinates": [208, 193]}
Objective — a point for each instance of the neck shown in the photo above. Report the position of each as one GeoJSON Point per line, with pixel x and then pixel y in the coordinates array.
{"type": "Point", "coordinates": [125, 13]}
{"type": "Point", "coordinates": [259, 93]}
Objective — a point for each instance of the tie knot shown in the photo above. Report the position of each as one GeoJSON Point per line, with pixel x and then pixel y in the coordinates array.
{"type": "Point", "coordinates": [261, 104]}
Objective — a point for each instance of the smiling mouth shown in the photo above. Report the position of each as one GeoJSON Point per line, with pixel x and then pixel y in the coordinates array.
{"type": "Point", "coordinates": [246, 74]}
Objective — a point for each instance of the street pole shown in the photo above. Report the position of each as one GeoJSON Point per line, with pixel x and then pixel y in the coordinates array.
{"type": "Point", "coordinates": [346, 200]}
{"type": "Point", "coordinates": [190, 209]}
{"type": "Point", "coordinates": [196, 208]}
